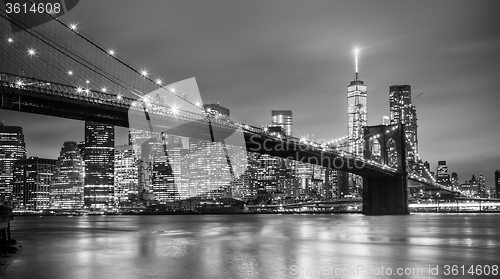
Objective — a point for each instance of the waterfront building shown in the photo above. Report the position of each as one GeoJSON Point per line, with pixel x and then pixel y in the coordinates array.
{"type": "Point", "coordinates": [402, 111]}
{"type": "Point", "coordinates": [481, 186]}
{"type": "Point", "coordinates": [474, 186]}
{"type": "Point", "coordinates": [98, 155]}
{"type": "Point", "coordinates": [283, 118]}
{"type": "Point", "coordinates": [32, 180]}
{"type": "Point", "coordinates": [67, 185]}
{"type": "Point", "coordinates": [442, 176]}
{"type": "Point", "coordinates": [12, 148]}
{"type": "Point", "coordinates": [126, 172]}
{"type": "Point", "coordinates": [209, 172]}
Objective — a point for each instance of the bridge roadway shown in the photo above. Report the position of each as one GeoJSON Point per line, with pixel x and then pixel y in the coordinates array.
{"type": "Point", "coordinates": [54, 99]}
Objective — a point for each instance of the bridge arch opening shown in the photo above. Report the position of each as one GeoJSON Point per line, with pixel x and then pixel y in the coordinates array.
{"type": "Point", "coordinates": [392, 153]}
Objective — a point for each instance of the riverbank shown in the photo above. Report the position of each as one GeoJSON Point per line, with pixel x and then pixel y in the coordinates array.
{"type": "Point", "coordinates": [8, 253]}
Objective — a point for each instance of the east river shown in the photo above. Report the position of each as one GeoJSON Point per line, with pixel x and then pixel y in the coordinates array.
{"type": "Point", "coordinates": [257, 246]}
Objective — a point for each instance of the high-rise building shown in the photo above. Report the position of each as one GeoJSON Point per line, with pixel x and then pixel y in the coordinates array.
{"type": "Point", "coordinates": [442, 176]}
{"type": "Point", "coordinates": [209, 172]}
{"type": "Point", "coordinates": [12, 148]}
{"type": "Point", "coordinates": [402, 111]}
{"type": "Point", "coordinates": [497, 184]}
{"type": "Point", "coordinates": [98, 155]}
{"type": "Point", "coordinates": [284, 119]}
{"type": "Point", "coordinates": [126, 175]}
{"type": "Point", "coordinates": [32, 179]}
{"type": "Point", "coordinates": [157, 171]}
{"type": "Point", "coordinates": [67, 184]}
{"type": "Point", "coordinates": [356, 112]}
{"type": "Point", "coordinates": [474, 186]}
{"type": "Point", "coordinates": [454, 181]}
{"type": "Point", "coordinates": [481, 186]}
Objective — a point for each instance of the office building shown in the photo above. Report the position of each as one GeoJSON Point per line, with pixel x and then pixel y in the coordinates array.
{"type": "Point", "coordinates": [283, 118]}
{"type": "Point", "coordinates": [481, 186]}
{"type": "Point", "coordinates": [12, 148]}
{"type": "Point", "coordinates": [454, 181]}
{"type": "Point", "coordinates": [126, 175]}
{"type": "Point", "coordinates": [67, 185]}
{"type": "Point", "coordinates": [98, 155]}
{"type": "Point", "coordinates": [32, 180]}
{"type": "Point", "coordinates": [442, 176]}
{"type": "Point", "coordinates": [357, 112]}
{"type": "Point", "coordinates": [402, 111]}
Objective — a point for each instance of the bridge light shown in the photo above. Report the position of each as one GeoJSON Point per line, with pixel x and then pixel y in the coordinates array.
{"type": "Point", "coordinates": [144, 73]}
{"type": "Point", "coordinates": [31, 52]}
{"type": "Point", "coordinates": [73, 26]}
{"type": "Point", "coordinates": [10, 40]}
{"type": "Point", "coordinates": [159, 81]}
{"type": "Point", "coordinates": [87, 81]}
{"type": "Point", "coordinates": [119, 97]}
{"type": "Point", "coordinates": [111, 52]}
{"type": "Point", "coordinates": [172, 89]}
{"type": "Point", "coordinates": [104, 89]}
{"type": "Point", "coordinates": [175, 110]}
{"type": "Point", "coordinates": [87, 90]}
{"type": "Point", "coordinates": [70, 72]}
{"type": "Point", "coordinates": [79, 89]}
{"type": "Point", "coordinates": [19, 82]}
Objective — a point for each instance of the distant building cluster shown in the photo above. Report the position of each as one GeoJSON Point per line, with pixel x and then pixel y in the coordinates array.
{"type": "Point", "coordinates": [96, 174]}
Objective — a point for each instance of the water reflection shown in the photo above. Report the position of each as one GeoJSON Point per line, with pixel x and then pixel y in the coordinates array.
{"type": "Point", "coordinates": [248, 246]}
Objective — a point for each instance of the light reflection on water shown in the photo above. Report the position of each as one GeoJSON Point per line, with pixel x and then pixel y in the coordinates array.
{"type": "Point", "coordinates": [248, 246]}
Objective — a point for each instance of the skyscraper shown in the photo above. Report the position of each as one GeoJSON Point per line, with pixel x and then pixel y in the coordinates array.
{"type": "Point", "coordinates": [356, 112]}
{"type": "Point", "coordinates": [481, 184]}
{"type": "Point", "coordinates": [442, 176]}
{"type": "Point", "coordinates": [497, 184]}
{"type": "Point", "coordinates": [12, 148]}
{"type": "Point", "coordinates": [284, 119]}
{"type": "Point", "coordinates": [402, 111]}
{"type": "Point", "coordinates": [155, 170]}
{"type": "Point", "coordinates": [67, 184]}
{"type": "Point", "coordinates": [126, 175]}
{"type": "Point", "coordinates": [32, 179]}
{"type": "Point", "coordinates": [98, 155]}
{"type": "Point", "coordinates": [454, 181]}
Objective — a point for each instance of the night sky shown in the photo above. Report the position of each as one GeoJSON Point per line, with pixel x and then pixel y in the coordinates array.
{"type": "Point", "coordinates": [256, 56]}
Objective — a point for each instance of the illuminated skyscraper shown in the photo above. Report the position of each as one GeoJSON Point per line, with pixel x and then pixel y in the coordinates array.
{"type": "Point", "coordinates": [67, 185]}
{"type": "Point", "coordinates": [454, 181]}
{"type": "Point", "coordinates": [284, 119]}
{"type": "Point", "coordinates": [32, 179]}
{"type": "Point", "coordinates": [442, 176]}
{"type": "Point", "coordinates": [158, 174]}
{"type": "Point", "coordinates": [126, 174]}
{"type": "Point", "coordinates": [481, 185]}
{"type": "Point", "coordinates": [12, 148]}
{"type": "Point", "coordinates": [356, 113]}
{"type": "Point", "coordinates": [402, 111]}
{"type": "Point", "coordinates": [98, 155]}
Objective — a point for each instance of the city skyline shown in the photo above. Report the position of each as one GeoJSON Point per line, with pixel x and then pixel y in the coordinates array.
{"type": "Point", "coordinates": [253, 71]}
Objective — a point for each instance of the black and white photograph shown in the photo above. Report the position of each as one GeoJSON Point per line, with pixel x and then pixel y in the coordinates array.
{"type": "Point", "coordinates": [249, 139]}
